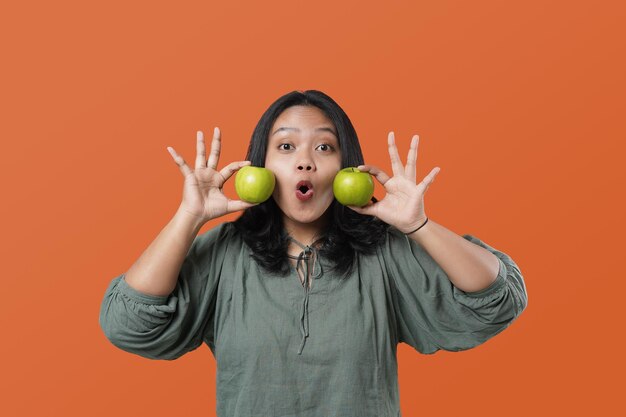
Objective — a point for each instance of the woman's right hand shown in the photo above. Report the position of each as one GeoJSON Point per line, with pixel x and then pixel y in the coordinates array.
{"type": "Point", "coordinates": [202, 193]}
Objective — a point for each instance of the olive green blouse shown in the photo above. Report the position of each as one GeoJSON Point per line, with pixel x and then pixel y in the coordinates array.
{"type": "Point", "coordinates": [282, 349]}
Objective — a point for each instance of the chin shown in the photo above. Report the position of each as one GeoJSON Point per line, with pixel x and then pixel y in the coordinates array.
{"type": "Point", "coordinates": [309, 216]}
{"type": "Point", "coordinates": [305, 218]}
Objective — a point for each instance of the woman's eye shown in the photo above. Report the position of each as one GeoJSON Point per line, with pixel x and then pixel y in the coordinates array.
{"type": "Point", "coordinates": [324, 147]}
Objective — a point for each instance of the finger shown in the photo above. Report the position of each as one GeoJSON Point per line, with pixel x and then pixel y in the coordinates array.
{"type": "Point", "coordinates": [200, 150]}
{"type": "Point", "coordinates": [367, 210]}
{"type": "Point", "coordinates": [429, 179]}
{"type": "Point", "coordinates": [216, 145]}
{"type": "Point", "coordinates": [396, 163]}
{"type": "Point", "coordinates": [229, 170]}
{"type": "Point", "coordinates": [409, 170]}
{"type": "Point", "coordinates": [376, 172]}
{"type": "Point", "coordinates": [184, 168]}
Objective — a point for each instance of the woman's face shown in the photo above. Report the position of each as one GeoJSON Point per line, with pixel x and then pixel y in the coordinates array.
{"type": "Point", "coordinates": [303, 148]}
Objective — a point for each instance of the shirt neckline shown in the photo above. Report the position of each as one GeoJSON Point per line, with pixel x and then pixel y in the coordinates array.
{"type": "Point", "coordinates": [302, 264]}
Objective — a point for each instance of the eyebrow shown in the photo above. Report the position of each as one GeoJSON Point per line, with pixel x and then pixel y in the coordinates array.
{"type": "Point", "coordinates": [319, 129]}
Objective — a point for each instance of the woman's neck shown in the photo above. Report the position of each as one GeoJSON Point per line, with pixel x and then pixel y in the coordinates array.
{"type": "Point", "coordinates": [306, 234]}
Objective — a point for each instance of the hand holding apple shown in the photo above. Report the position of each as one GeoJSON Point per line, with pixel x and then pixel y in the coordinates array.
{"type": "Point", "coordinates": [403, 205]}
{"type": "Point", "coordinates": [254, 184]}
{"type": "Point", "coordinates": [203, 198]}
{"type": "Point", "coordinates": [353, 187]}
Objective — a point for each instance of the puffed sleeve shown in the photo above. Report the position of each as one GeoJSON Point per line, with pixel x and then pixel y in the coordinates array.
{"type": "Point", "coordinates": [167, 327]}
{"type": "Point", "coordinates": [432, 314]}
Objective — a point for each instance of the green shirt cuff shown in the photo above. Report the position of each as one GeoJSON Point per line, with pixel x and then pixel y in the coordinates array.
{"type": "Point", "coordinates": [133, 294]}
{"type": "Point", "coordinates": [495, 286]}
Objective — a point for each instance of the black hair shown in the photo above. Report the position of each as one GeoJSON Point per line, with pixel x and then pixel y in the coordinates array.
{"type": "Point", "coordinates": [347, 233]}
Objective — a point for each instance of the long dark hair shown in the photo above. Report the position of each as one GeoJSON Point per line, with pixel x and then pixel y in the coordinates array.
{"type": "Point", "coordinates": [347, 233]}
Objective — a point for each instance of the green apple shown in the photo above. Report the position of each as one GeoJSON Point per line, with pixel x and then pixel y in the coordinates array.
{"type": "Point", "coordinates": [353, 187]}
{"type": "Point", "coordinates": [254, 184]}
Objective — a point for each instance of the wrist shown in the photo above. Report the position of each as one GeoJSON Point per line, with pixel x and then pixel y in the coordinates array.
{"type": "Point", "coordinates": [420, 224]}
{"type": "Point", "coordinates": [183, 216]}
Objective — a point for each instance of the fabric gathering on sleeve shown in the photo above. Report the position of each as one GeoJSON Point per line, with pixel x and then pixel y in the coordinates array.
{"type": "Point", "coordinates": [432, 314]}
{"type": "Point", "coordinates": [167, 327]}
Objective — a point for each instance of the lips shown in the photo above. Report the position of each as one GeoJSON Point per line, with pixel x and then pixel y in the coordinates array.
{"type": "Point", "coordinates": [304, 190]}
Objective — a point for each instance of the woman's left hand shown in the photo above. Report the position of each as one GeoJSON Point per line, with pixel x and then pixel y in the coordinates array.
{"type": "Point", "coordinates": [403, 205]}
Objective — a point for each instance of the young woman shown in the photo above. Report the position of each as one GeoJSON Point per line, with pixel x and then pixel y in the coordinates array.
{"type": "Point", "coordinates": [301, 300]}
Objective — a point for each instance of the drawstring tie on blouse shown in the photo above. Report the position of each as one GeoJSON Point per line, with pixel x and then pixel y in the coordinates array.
{"type": "Point", "coordinates": [303, 258]}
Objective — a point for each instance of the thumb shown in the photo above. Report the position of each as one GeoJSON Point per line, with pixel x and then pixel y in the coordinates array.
{"type": "Point", "coordinates": [238, 205]}
{"type": "Point", "coordinates": [362, 210]}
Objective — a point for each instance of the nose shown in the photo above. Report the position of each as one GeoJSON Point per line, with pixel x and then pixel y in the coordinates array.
{"type": "Point", "coordinates": [305, 162]}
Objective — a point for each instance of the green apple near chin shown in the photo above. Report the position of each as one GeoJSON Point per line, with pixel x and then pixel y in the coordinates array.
{"type": "Point", "coordinates": [254, 184]}
{"type": "Point", "coordinates": [353, 187]}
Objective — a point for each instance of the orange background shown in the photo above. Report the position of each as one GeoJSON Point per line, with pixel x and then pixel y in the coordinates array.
{"type": "Point", "coordinates": [520, 104]}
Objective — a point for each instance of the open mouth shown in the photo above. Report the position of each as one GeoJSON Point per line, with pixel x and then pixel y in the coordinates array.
{"type": "Point", "coordinates": [304, 190]}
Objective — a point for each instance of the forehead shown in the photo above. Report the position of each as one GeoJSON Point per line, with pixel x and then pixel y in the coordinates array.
{"type": "Point", "coordinates": [302, 119]}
